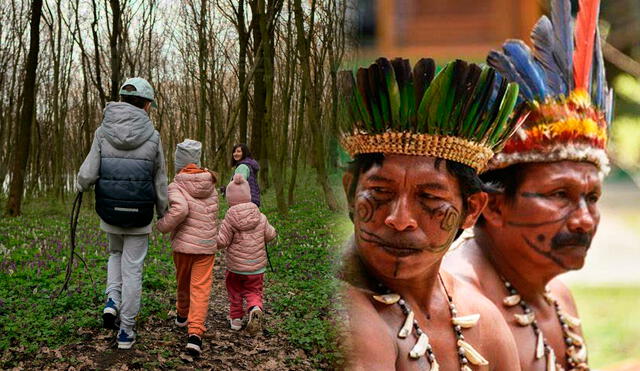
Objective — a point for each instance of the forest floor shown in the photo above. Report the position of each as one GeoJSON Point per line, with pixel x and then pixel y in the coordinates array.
{"type": "Point", "coordinates": [65, 333]}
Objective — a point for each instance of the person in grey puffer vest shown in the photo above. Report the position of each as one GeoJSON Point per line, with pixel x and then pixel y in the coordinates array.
{"type": "Point", "coordinates": [246, 166]}
{"type": "Point", "coordinates": [126, 164]}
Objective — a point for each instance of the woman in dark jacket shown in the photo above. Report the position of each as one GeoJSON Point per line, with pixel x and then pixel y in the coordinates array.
{"type": "Point", "coordinates": [245, 165]}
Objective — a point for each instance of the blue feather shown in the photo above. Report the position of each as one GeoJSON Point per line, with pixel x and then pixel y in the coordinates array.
{"type": "Point", "coordinates": [563, 30]}
{"type": "Point", "coordinates": [503, 65]}
{"type": "Point", "coordinates": [608, 110]}
{"type": "Point", "coordinates": [497, 82]}
{"type": "Point", "coordinates": [543, 43]}
{"type": "Point", "coordinates": [520, 56]}
{"type": "Point", "coordinates": [599, 83]}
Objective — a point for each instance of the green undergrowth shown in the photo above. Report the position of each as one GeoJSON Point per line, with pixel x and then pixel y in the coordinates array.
{"type": "Point", "coordinates": [301, 289]}
{"type": "Point", "coordinates": [610, 322]}
{"type": "Point", "coordinates": [34, 250]}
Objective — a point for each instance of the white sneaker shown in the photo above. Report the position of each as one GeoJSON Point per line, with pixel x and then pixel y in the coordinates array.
{"type": "Point", "coordinates": [181, 321]}
{"type": "Point", "coordinates": [194, 345]}
{"type": "Point", "coordinates": [236, 324]}
{"type": "Point", "coordinates": [126, 340]}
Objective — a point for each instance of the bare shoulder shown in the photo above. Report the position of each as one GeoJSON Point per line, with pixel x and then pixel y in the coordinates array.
{"type": "Point", "coordinates": [562, 293]}
{"type": "Point", "coordinates": [369, 343]}
{"type": "Point", "coordinates": [464, 261]}
{"type": "Point", "coordinates": [491, 335]}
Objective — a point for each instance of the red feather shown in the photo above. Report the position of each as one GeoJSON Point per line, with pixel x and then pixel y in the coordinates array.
{"type": "Point", "coordinates": [586, 23]}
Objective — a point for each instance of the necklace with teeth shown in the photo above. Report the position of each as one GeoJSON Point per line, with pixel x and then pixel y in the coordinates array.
{"type": "Point", "coordinates": [466, 353]}
{"type": "Point", "coordinates": [576, 349]}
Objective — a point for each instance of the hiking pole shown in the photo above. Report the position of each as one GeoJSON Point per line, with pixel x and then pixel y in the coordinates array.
{"type": "Point", "coordinates": [266, 248]}
{"type": "Point", "coordinates": [73, 225]}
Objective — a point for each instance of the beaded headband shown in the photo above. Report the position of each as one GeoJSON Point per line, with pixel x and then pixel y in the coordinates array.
{"type": "Point", "coordinates": [563, 84]}
{"type": "Point", "coordinates": [459, 114]}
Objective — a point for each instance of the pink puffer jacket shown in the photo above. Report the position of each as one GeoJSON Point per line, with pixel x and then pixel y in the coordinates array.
{"type": "Point", "coordinates": [244, 232]}
{"type": "Point", "coordinates": [192, 218]}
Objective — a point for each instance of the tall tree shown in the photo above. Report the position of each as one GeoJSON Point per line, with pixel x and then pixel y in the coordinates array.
{"type": "Point", "coordinates": [304, 45]}
{"type": "Point", "coordinates": [23, 137]}
{"type": "Point", "coordinates": [116, 49]}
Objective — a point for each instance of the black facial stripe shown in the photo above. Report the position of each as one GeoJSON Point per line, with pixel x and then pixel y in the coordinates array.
{"type": "Point", "coordinates": [531, 195]}
{"type": "Point", "coordinates": [544, 253]}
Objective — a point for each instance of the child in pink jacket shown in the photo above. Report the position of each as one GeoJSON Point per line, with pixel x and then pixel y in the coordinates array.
{"type": "Point", "coordinates": [244, 233]}
{"type": "Point", "coordinates": [193, 223]}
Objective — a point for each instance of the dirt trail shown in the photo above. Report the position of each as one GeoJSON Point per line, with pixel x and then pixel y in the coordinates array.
{"type": "Point", "coordinates": [160, 345]}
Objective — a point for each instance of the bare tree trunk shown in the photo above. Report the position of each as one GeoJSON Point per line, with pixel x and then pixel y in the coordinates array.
{"type": "Point", "coordinates": [243, 41]}
{"type": "Point", "coordinates": [313, 110]}
{"type": "Point", "coordinates": [202, 71]}
{"type": "Point", "coordinates": [296, 146]}
{"type": "Point", "coordinates": [23, 139]}
{"type": "Point", "coordinates": [115, 48]}
{"type": "Point", "coordinates": [259, 89]}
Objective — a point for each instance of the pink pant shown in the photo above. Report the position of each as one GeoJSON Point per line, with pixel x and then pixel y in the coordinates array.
{"type": "Point", "coordinates": [194, 276]}
{"type": "Point", "coordinates": [242, 286]}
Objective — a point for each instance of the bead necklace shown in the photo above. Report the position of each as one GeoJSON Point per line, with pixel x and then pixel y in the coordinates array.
{"type": "Point", "coordinates": [466, 353]}
{"type": "Point", "coordinates": [576, 352]}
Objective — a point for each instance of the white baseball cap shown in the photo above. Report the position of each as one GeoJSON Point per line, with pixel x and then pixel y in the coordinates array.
{"type": "Point", "coordinates": [142, 89]}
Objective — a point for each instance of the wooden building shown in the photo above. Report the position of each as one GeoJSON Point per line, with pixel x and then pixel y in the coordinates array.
{"type": "Point", "coordinates": [447, 29]}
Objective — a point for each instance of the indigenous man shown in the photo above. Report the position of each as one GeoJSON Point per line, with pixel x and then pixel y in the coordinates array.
{"type": "Point", "coordinates": [417, 143]}
{"type": "Point", "coordinates": [542, 218]}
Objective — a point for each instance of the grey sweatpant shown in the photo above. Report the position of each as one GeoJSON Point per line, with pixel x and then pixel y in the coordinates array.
{"type": "Point", "coordinates": [124, 274]}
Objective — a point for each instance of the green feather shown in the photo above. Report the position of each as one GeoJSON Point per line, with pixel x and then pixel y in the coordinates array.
{"type": "Point", "coordinates": [508, 103]}
{"type": "Point", "coordinates": [480, 97]}
{"type": "Point", "coordinates": [446, 110]}
{"type": "Point", "coordinates": [516, 119]}
{"type": "Point", "coordinates": [372, 99]}
{"type": "Point", "coordinates": [437, 98]}
{"type": "Point", "coordinates": [389, 95]}
{"type": "Point", "coordinates": [402, 71]}
{"type": "Point", "coordinates": [487, 118]}
{"type": "Point", "coordinates": [392, 91]}
{"type": "Point", "coordinates": [377, 84]}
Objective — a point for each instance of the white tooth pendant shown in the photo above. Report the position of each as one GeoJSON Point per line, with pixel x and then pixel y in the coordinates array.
{"type": "Point", "coordinates": [435, 366]}
{"type": "Point", "coordinates": [466, 321]}
{"type": "Point", "coordinates": [387, 298]}
{"type": "Point", "coordinates": [512, 300]}
{"type": "Point", "coordinates": [420, 348]}
{"type": "Point", "coordinates": [551, 360]}
{"type": "Point", "coordinates": [572, 321]}
{"type": "Point", "coordinates": [524, 319]}
{"type": "Point", "coordinates": [472, 355]}
{"type": "Point", "coordinates": [465, 368]}
{"type": "Point", "coordinates": [575, 338]}
{"type": "Point", "coordinates": [540, 346]}
{"type": "Point", "coordinates": [407, 326]}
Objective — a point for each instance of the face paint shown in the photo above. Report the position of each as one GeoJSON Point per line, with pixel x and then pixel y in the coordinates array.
{"type": "Point", "coordinates": [556, 218]}
{"type": "Point", "coordinates": [403, 225]}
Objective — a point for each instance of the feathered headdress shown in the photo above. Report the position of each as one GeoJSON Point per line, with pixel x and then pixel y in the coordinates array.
{"type": "Point", "coordinates": [563, 84]}
{"type": "Point", "coordinates": [459, 114]}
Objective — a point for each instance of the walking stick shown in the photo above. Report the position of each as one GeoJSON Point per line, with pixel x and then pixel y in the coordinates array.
{"type": "Point", "coordinates": [266, 248]}
{"type": "Point", "coordinates": [73, 225]}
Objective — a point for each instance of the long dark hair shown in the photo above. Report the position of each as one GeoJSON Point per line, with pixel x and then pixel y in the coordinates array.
{"type": "Point", "coordinates": [245, 153]}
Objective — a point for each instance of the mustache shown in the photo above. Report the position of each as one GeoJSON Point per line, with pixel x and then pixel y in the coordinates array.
{"type": "Point", "coordinates": [564, 239]}
{"type": "Point", "coordinates": [396, 242]}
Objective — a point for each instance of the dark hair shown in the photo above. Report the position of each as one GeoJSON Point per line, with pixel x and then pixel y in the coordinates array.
{"type": "Point", "coordinates": [505, 181]}
{"type": "Point", "coordinates": [245, 153]}
{"type": "Point", "coordinates": [133, 99]}
{"type": "Point", "coordinates": [468, 179]}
